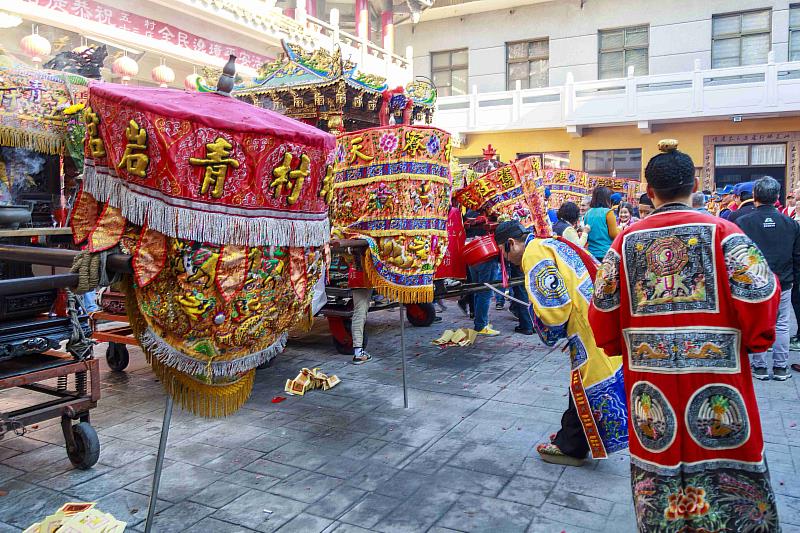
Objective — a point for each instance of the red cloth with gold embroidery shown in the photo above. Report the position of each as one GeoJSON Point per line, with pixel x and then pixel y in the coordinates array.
{"type": "Point", "coordinates": [190, 136]}
{"type": "Point", "coordinates": [684, 297]}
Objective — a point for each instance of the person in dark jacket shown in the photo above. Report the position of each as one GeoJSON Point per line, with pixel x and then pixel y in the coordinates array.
{"type": "Point", "coordinates": [745, 193]}
{"type": "Point", "coordinates": [778, 238]}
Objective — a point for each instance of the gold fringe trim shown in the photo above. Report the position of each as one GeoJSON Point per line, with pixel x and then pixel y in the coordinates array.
{"type": "Point", "coordinates": [397, 293]}
{"type": "Point", "coordinates": [390, 178]}
{"type": "Point", "coordinates": [202, 399]}
{"type": "Point", "coordinates": [38, 142]}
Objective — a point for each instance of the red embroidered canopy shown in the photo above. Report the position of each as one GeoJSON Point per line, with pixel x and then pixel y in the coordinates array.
{"type": "Point", "coordinates": [195, 166]}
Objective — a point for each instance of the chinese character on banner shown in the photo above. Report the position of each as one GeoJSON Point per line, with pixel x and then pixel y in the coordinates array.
{"type": "Point", "coordinates": [216, 162]}
{"type": "Point", "coordinates": [96, 146]}
{"type": "Point", "coordinates": [506, 179]}
{"type": "Point", "coordinates": [80, 8]}
{"type": "Point", "coordinates": [149, 27]}
{"type": "Point", "coordinates": [134, 159]}
{"type": "Point", "coordinates": [413, 142]}
{"type": "Point", "coordinates": [57, 5]}
{"type": "Point", "coordinates": [356, 151]}
{"type": "Point", "coordinates": [486, 189]}
{"type": "Point", "coordinates": [166, 34]}
{"type": "Point", "coordinates": [284, 175]}
{"type": "Point", "coordinates": [124, 20]}
{"type": "Point", "coordinates": [327, 185]}
{"type": "Point", "coordinates": [103, 14]}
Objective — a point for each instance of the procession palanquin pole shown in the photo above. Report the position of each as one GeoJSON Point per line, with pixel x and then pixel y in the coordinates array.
{"type": "Point", "coordinates": [393, 190]}
{"type": "Point", "coordinates": [224, 208]}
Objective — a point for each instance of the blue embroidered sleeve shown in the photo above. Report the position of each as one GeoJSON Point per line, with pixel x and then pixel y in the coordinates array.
{"type": "Point", "coordinates": [606, 285]}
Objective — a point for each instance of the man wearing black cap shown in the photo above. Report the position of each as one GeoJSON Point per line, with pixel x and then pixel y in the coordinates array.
{"type": "Point", "coordinates": [684, 297]}
{"type": "Point", "coordinates": [558, 280]}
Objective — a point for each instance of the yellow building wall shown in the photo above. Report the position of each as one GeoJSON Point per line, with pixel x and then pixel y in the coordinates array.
{"type": "Point", "coordinates": [689, 136]}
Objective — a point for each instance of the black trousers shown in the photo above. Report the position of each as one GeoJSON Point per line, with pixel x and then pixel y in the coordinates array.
{"type": "Point", "coordinates": [571, 439]}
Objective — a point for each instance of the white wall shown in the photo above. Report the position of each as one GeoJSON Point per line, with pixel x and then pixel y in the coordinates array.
{"type": "Point", "coordinates": [680, 32]}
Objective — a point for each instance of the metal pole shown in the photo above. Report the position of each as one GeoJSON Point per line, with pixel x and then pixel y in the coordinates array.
{"type": "Point", "coordinates": [403, 351]}
{"type": "Point", "coordinates": [162, 448]}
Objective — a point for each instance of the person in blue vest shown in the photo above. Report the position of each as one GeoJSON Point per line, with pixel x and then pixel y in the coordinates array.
{"type": "Point", "coordinates": [602, 221]}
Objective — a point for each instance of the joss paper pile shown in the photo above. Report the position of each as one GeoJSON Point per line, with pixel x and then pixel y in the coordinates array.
{"type": "Point", "coordinates": [224, 208]}
{"type": "Point", "coordinates": [78, 517]}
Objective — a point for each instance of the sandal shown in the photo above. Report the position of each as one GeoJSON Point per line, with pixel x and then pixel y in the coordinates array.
{"type": "Point", "coordinates": [550, 453]}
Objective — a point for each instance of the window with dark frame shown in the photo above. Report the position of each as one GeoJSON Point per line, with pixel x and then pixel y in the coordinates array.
{"type": "Point", "coordinates": [623, 163]}
{"type": "Point", "coordinates": [794, 32]}
{"type": "Point", "coordinates": [449, 71]}
{"type": "Point", "coordinates": [528, 62]}
{"type": "Point", "coordinates": [742, 38]}
{"type": "Point", "coordinates": [622, 48]}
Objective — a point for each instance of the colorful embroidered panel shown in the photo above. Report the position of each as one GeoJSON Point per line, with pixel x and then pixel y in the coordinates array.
{"type": "Point", "coordinates": [392, 188]}
{"type": "Point", "coordinates": [200, 166]}
{"type": "Point", "coordinates": [606, 295]}
{"type": "Point", "coordinates": [717, 418]}
{"type": "Point", "coordinates": [568, 255]}
{"type": "Point", "coordinates": [565, 185]}
{"type": "Point", "coordinates": [703, 497]}
{"type": "Point", "coordinates": [610, 413]}
{"type": "Point", "coordinates": [577, 352]}
{"type": "Point", "coordinates": [749, 274]}
{"type": "Point", "coordinates": [511, 192]}
{"type": "Point", "coordinates": [684, 350]}
{"type": "Point", "coordinates": [220, 204]}
{"type": "Point", "coordinates": [547, 285]}
{"type": "Point", "coordinates": [32, 103]}
{"type": "Point", "coordinates": [671, 270]}
{"type": "Point", "coordinates": [652, 417]}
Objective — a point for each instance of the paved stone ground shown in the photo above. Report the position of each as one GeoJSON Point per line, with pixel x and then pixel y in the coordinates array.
{"type": "Point", "coordinates": [352, 459]}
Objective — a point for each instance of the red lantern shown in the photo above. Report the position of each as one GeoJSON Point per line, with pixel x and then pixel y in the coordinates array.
{"type": "Point", "coordinates": [163, 75]}
{"type": "Point", "coordinates": [35, 46]}
{"type": "Point", "coordinates": [125, 67]}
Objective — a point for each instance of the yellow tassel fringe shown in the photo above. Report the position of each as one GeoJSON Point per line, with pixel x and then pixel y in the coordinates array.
{"type": "Point", "coordinates": [39, 142]}
{"type": "Point", "coordinates": [202, 399]}
{"type": "Point", "coordinates": [397, 293]}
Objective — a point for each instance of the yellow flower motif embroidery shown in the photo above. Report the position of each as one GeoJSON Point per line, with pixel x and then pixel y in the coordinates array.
{"type": "Point", "coordinates": [74, 108]}
{"type": "Point", "coordinates": [692, 241]}
{"type": "Point", "coordinates": [639, 247]}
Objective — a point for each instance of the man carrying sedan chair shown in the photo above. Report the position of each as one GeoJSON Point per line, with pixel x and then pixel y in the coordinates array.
{"type": "Point", "coordinates": [559, 281]}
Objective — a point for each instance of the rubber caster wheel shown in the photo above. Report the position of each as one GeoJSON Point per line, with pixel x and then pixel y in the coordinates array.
{"type": "Point", "coordinates": [117, 356]}
{"type": "Point", "coordinates": [87, 446]}
{"type": "Point", "coordinates": [421, 315]}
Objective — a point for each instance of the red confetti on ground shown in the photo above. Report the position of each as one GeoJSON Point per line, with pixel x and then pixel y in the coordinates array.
{"type": "Point", "coordinates": [278, 399]}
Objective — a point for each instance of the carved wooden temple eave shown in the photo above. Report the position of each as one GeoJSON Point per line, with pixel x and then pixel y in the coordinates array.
{"type": "Point", "coordinates": [329, 92]}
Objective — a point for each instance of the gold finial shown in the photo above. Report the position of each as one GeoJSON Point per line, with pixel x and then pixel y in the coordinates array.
{"type": "Point", "coordinates": [667, 145]}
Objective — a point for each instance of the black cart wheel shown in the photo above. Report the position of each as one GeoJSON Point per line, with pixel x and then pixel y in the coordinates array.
{"type": "Point", "coordinates": [117, 356]}
{"type": "Point", "coordinates": [87, 446]}
{"type": "Point", "coordinates": [421, 315]}
{"type": "Point", "coordinates": [341, 334]}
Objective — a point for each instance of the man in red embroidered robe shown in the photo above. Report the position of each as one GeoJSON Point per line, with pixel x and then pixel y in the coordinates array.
{"type": "Point", "coordinates": [684, 297]}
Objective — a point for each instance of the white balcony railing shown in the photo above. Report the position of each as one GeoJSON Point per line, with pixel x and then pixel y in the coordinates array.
{"type": "Point", "coordinates": [764, 89]}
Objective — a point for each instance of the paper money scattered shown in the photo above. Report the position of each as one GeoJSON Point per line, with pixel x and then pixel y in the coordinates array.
{"type": "Point", "coordinates": [78, 517]}
{"type": "Point", "coordinates": [308, 380]}
{"type": "Point", "coordinates": [458, 337]}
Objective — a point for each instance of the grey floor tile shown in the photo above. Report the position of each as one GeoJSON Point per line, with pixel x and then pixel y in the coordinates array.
{"type": "Point", "coordinates": [249, 510]}
{"type": "Point", "coordinates": [305, 486]}
{"type": "Point", "coordinates": [480, 513]}
{"type": "Point", "coordinates": [369, 511]}
{"type": "Point", "coordinates": [219, 494]}
{"type": "Point", "coordinates": [306, 523]}
{"type": "Point", "coordinates": [178, 482]}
